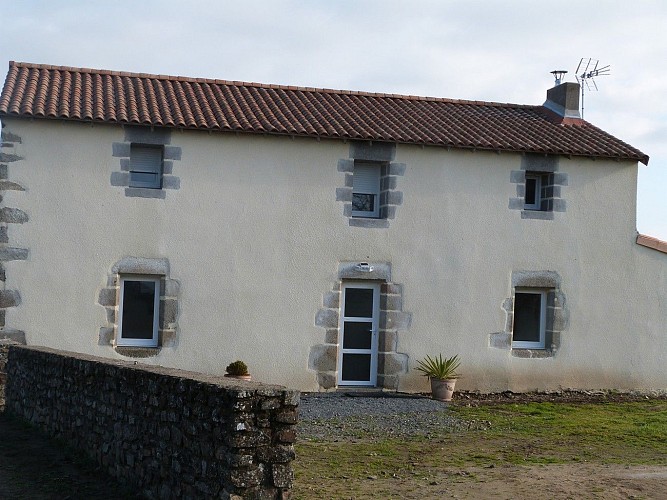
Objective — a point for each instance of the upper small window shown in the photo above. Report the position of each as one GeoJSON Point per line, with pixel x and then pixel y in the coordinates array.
{"type": "Point", "coordinates": [146, 166]}
{"type": "Point", "coordinates": [366, 190]}
{"type": "Point", "coordinates": [138, 314]}
{"type": "Point", "coordinates": [530, 318]}
{"type": "Point", "coordinates": [533, 197]}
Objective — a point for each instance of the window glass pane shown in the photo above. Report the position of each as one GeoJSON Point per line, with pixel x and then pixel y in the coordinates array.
{"type": "Point", "coordinates": [531, 190]}
{"type": "Point", "coordinates": [138, 309]}
{"type": "Point", "coordinates": [527, 310]}
{"type": "Point", "coordinates": [144, 179]}
{"type": "Point", "coordinates": [358, 303]}
{"type": "Point", "coordinates": [363, 202]}
{"type": "Point", "coordinates": [357, 335]}
{"type": "Point", "coordinates": [356, 367]}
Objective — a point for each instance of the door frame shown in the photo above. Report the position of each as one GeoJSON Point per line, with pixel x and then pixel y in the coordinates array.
{"type": "Point", "coordinates": [375, 325]}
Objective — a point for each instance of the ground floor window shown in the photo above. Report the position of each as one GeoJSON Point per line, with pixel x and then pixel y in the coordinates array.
{"type": "Point", "coordinates": [530, 312]}
{"type": "Point", "coordinates": [139, 311]}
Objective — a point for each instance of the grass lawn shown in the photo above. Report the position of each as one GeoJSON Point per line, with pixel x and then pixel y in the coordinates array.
{"type": "Point", "coordinates": [511, 437]}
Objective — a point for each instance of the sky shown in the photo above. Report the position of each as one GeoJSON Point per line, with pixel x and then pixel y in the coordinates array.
{"type": "Point", "coordinates": [487, 50]}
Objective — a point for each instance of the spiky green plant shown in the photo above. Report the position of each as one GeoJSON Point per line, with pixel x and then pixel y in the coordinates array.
{"type": "Point", "coordinates": [438, 367]}
{"type": "Point", "coordinates": [237, 368]}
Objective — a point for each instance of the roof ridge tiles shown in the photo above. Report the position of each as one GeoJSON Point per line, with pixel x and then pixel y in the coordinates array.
{"type": "Point", "coordinates": [241, 83]}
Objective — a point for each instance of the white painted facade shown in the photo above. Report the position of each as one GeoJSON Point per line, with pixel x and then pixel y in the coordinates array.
{"type": "Point", "coordinates": [255, 236]}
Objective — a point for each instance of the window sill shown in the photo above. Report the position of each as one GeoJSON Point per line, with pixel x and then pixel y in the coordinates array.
{"type": "Point", "coordinates": [137, 352]}
{"type": "Point", "coordinates": [368, 222]}
{"type": "Point", "coordinates": [537, 214]}
{"type": "Point", "coordinates": [532, 353]}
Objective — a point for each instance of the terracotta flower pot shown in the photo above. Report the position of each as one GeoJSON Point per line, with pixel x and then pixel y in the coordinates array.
{"type": "Point", "coordinates": [247, 378]}
{"type": "Point", "coordinates": [442, 389]}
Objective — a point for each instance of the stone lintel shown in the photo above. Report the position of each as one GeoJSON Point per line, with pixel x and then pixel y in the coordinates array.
{"type": "Point", "coordinates": [141, 265]}
{"type": "Point", "coordinates": [365, 270]}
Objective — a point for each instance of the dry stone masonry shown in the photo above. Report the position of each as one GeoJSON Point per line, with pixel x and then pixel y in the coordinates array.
{"type": "Point", "coordinates": [170, 433]}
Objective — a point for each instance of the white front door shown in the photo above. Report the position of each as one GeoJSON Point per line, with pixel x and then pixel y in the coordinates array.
{"type": "Point", "coordinates": [360, 312]}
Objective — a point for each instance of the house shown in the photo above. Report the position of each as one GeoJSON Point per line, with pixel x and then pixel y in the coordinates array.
{"type": "Point", "coordinates": [327, 238]}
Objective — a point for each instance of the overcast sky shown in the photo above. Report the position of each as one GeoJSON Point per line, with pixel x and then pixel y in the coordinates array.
{"type": "Point", "coordinates": [488, 50]}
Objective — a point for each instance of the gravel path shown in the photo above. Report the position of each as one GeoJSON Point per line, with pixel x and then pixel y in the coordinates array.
{"type": "Point", "coordinates": [342, 416]}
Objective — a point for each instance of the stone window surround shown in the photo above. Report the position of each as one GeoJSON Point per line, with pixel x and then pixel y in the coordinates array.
{"type": "Point", "coordinates": [553, 182]}
{"type": "Point", "coordinates": [382, 153]}
{"type": "Point", "coordinates": [169, 294]}
{"type": "Point", "coordinates": [556, 320]}
{"type": "Point", "coordinates": [391, 364]}
{"type": "Point", "coordinates": [146, 136]}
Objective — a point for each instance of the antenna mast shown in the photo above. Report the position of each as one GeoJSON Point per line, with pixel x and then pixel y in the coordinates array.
{"type": "Point", "coordinates": [589, 70]}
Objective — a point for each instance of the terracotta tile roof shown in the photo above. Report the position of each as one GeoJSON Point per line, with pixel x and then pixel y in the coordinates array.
{"type": "Point", "coordinates": [63, 93]}
{"type": "Point", "coordinates": [650, 242]}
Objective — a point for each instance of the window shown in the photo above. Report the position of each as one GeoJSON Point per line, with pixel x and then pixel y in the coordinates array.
{"type": "Point", "coordinates": [366, 190]}
{"type": "Point", "coordinates": [139, 311]}
{"type": "Point", "coordinates": [146, 166]}
{"type": "Point", "coordinates": [530, 312]}
{"type": "Point", "coordinates": [533, 197]}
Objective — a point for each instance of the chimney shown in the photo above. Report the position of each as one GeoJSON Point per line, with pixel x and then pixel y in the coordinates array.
{"type": "Point", "coordinates": [563, 100]}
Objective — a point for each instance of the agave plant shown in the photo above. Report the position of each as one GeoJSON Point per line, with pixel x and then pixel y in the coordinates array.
{"type": "Point", "coordinates": [438, 367]}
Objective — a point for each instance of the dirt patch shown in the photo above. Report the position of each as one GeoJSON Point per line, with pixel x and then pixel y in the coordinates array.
{"type": "Point", "coordinates": [36, 467]}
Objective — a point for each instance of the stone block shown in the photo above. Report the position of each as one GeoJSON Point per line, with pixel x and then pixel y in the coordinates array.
{"type": "Point", "coordinates": [291, 397]}
{"type": "Point", "coordinates": [396, 168]}
{"type": "Point", "coordinates": [396, 320]}
{"type": "Point", "coordinates": [120, 149]}
{"type": "Point", "coordinates": [345, 165]}
{"type": "Point", "coordinates": [106, 336]}
{"type": "Point", "coordinates": [120, 178]}
{"type": "Point", "coordinates": [561, 179]}
{"type": "Point", "coordinates": [391, 302]}
{"type": "Point", "coordinates": [4, 238]}
{"type": "Point", "coordinates": [6, 185]}
{"type": "Point", "coordinates": [327, 318]}
{"type": "Point", "coordinates": [172, 153]}
{"type": "Point", "coordinates": [7, 136]}
{"type": "Point", "coordinates": [171, 288]}
{"type": "Point", "coordinates": [107, 297]}
{"type": "Point", "coordinates": [369, 223]}
{"type": "Point", "coordinates": [125, 164]}
{"type": "Point", "coordinates": [326, 380]}
{"type": "Point", "coordinates": [518, 176]}
{"type": "Point", "coordinates": [282, 475]}
{"type": "Point", "coordinates": [9, 298]}
{"type": "Point", "coordinates": [387, 341]}
{"type": "Point", "coordinates": [539, 162]}
{"type": "Point", "coordinates": [500, 340]}
{"type": "Point", "coordinates": [323, 358]}
{"type": "Point", "coordinates": [536, 279]}
{"type": "Point", "coordinates": [389, 382]}
{"type": "Point", "coordinates": [8, 158]}
{"type": "Point", "coordinates": [372, 151]}
{"type": "Point", "coordinates": [141, 265]}
{"type": "Point", "coordinates": [559, 205]}
{"type": "Point", "coordinates": [537, 214]}
{"type": "Point", "coordinates": [331, 300]}
{"type": "Point", "coordinates": [394, 197]}
{"type": "Point", "coordinates": [349, 180]}
{"type": "Point", "coordinates": [168, 338]}
{"type": "Point", "coordinates": [4, 171]}
{"type": "Point", "coordinates": [132, 192]}
{"type": "Point", "coordinates": [147, 135]}
{"type": "Point", "coordinates": [392, 363]}
{"type": "Point", "coordinates": [171, 182]}
{"type": "Point", "coordinates": [392, 288]}
{"type": "Point", "coordinates": [365, 270]}
{"type": "Point", "coordinates": [516, 204]}
{"type": "Point", "coordinates": [344, 194]}
{"type": "Point", "coordinates": [331, 336]}
{"type": "Point", "coordinates": [168, 312]}
{"type": "Point", "coordinates": [13, 215]}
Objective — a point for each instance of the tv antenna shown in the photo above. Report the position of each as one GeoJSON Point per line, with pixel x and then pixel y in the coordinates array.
{"type": "Point", "coordinates": [589, 70]}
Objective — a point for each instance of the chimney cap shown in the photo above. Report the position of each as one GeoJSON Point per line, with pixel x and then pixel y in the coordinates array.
{"type": "Point", "coordinates": [558, 75]}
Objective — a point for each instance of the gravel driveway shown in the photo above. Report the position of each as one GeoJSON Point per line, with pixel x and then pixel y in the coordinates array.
{"type": "Point", "coordinates": [346, 415]}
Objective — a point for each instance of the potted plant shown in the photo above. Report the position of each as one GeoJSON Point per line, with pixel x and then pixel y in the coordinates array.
{"type": "Point", "coordinates": [238, 370]}
{"type": "Point", "coordinates": [442, 373]}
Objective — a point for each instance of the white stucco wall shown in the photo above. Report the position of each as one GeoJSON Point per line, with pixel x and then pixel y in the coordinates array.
{"type": "Point", "coordinates": [254, 235]}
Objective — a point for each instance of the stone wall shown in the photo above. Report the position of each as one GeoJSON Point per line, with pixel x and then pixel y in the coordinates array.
{"type": "Point", "coordinates": [170, 433]}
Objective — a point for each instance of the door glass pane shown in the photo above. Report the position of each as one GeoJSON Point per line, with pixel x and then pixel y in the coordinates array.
{"type": "Point", "coordinates": [138, 309]}
{"type": "Point", "coordinates": [527, 309]}
{"type": "Point", "coordinates": [358, 303]}
{"type": "Point", "coordinates": [356, 367]}
{"type": "Point", "coordinates": [357, 335]}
